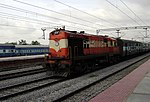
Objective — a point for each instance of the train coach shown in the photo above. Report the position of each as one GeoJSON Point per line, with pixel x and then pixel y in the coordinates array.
{"type": "Point", "coordinates": [7, 50]}
{"type": "Point", "coordinates": [130, 47]}
{"type": "Point", "coordinates": [23, 50]}
{"type": "Point", "coordinates": [10, 50]}
{"type": "Point", "coordinates": [72, 52]}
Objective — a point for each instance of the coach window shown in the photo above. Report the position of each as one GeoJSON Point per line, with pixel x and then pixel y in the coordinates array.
{"type": "Point", "coordinates": [4, 50]}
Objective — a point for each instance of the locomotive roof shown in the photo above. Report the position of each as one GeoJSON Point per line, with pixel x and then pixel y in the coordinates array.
{"type": "Point", "coordinates": [76, 33]}
{"type": "Point", "coordinates": [90, 36]}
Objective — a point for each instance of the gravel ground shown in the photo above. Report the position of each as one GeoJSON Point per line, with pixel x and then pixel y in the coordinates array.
{"type": "Point", "coordinates": [14, 81]}
{"type": "Point", "coordinates": [26, 87]}
{"type": "Point", "coordinates": [20, 70]}
{"type": "Point", "coordinates": [18, 65]}
{"type": "Point", "coordinates": [92, 91]}
{"type": "Point", "coordinates": [33, 96]}
{"type": "Point", "coordinates": [50, 93]}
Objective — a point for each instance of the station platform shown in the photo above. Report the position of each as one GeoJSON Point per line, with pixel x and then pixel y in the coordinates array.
{"type": "Point", "coordinates": [135, 87]}
{"type": "Point", "coordinates": [21, 57]}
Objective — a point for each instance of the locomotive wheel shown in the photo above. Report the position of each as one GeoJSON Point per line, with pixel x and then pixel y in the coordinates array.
{"type": "Point", "coordinates": [58, 70]}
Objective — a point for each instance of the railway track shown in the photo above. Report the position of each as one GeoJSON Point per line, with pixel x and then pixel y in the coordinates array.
{"type": "Point", "coordinates": [92, 80]}
{"type": "Point", "coordinates": [12, 63]}
{"type": "Point", "coordinates": [21, 72]}
{"type": "Point", "coordinates": [26, 87]}
{"type": "Point", "coordinates": [50, 89]}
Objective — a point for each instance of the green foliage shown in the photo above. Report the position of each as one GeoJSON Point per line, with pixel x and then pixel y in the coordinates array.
{"type": "Point", "coordinates": [14, 43]}
{"type": "Point", "coordinates": [22, 42]}
{"type": "Point", "coordinates": [35, 43]}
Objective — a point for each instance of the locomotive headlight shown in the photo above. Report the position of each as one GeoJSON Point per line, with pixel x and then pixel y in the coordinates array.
{"type": "Point", "coordinates": [56, 43]}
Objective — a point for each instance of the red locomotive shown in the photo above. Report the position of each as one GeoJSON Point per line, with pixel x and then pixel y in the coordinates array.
{"type": "Point", "coordinates": [71, 52]}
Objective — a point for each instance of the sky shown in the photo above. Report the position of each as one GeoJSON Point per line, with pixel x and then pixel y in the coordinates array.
{"type": "Point", "coordinates": [23, 19]}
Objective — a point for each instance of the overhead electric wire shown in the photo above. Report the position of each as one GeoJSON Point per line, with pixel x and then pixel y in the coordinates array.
{"type": "Point", "coordinates": [18, 26]}
{"type": "Point", "coordinates": [50, 22]}
{"type": "Point", "coordinates": [142, 34]}
{"type": "Point", "coordinates": [31, 12]}
{"type": "Point", "coordinates": [133, 12]}
{"type": "Point", "coordinates": [52, 11]}
{"type": "Point", "coordinates": [17, 16]}
{"type": "Point", "coordinates": [49, 17]}
{"type": "Point", "coordinates": [123, 12]}
{"type": "Point", "coordinates": [14, 18]}
{"type": "Point", "coordinates": [34, 28]}
{"type": "Point", "coordinates": [84, 12]}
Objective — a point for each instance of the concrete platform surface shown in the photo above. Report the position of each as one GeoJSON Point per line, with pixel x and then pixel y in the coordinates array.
{"type": "Point", "coordinates": [135, 87]}
{"type": "Point", "coordinates": [142, 91]}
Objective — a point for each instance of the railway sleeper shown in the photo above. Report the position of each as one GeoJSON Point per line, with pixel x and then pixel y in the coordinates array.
{"type": "Point", "coordinates": [61, 70]}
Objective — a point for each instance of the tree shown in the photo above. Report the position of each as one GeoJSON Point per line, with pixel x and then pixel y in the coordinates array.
{"type": "Point", "coordinates": [35, 43]}
{"type": "Point", "coordinates": [14, 43]}
{"type": "Point", "coordinates": [22, 42]}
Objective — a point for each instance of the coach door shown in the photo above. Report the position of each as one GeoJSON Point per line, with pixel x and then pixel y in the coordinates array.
{"type": "Point", "coordinates": [75, 47]}
{"type": "Point", "coordinates": [126, 49]}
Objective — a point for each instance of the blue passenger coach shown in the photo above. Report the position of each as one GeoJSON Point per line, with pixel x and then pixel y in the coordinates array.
{"type": "Point", "coordinates": [23, 50]}
{"type": "Point", "coordinates": [7, 50]}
